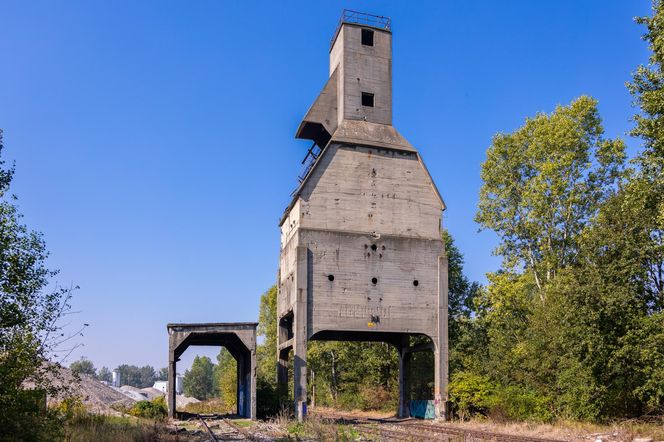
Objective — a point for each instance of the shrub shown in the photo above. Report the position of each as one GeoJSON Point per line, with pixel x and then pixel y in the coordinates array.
{"type": "Point", "coordinates": [471, 393]}
{"type": "Point", "coordinates": [519, 403]}
{"type": "Point", "coordinates": [210, 406]}
{"type": "Point", "coordinates": [154, 409]}
{"type": "Point", "coordinates": [267, 398]}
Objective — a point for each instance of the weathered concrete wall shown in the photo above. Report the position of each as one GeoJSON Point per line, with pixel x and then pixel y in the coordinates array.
{"type": "Point", "coordinates": [367, 69]}
{"type": "Point", "coordinates": [363, 69]}
{"type": "Point", "coordinates": [353, 302]}
{"type": "Point", "coordinates": [365, 189]}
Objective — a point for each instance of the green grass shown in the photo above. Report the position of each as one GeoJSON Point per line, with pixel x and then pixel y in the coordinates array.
{"type": "Point", "coordinates": [101, 428]}
{"type": "Point", "coordinates": [243, 423]}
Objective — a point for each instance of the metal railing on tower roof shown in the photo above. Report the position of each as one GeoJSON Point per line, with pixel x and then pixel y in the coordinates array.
{"type": "Point", "coordinates": [362, 18]}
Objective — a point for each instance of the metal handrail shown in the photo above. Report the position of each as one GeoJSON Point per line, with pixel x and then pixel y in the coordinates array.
{"type": "Point", "coordinates": [362, 18]}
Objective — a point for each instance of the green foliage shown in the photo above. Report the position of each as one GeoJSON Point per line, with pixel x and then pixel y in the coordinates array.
{"type": "Point", "coordinates": [83, 366]}
{"type": "Point", "coordinates": [162, 374]}
{"type": "Point", "coordinates": [267, 398]}
{"type": "Point", "coordinates": [515, 403]}
{"type": "Point", "coordinates": [354, 375]}
{"type": "Point", "coordinates": [641, 358]}
{"type": "Point", "coordinates": [471, 393]}
{"type": "Point", "coordinates": [266, 352]}
{"type": "Point", "coordinates": [155, 409]}
{"type": "Point", "coordinates": [647, 87]}
{"type": "Point", "coordinates": [209, 406]}
{"type": "Point", "coordinates": [102, 428]}
{"type": "Point", "coordinates": [29, 315]}
{"type": "Point", "coordinates": [225, 374]}
{"type": "Point", "coordinates": [105, 374]}
{"type": "Point", "coordinates": [571, 326]}
{"type": "Point", "coordinates": [199, 381]}
{"type": "Point", "coordinates": [139, 377]}
{"type": "Point", "coordinates": [543, 182]}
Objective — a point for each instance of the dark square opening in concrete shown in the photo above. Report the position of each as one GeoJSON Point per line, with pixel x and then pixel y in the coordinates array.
{"type": "Point", "coordinates": [367, 99]}
{"type": "Point", "coordinates": [367, 37]}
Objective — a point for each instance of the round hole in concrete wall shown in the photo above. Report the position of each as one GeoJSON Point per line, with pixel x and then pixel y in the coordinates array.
{"type": "Point", "coordinates": [416, 283]}
{"type": "Point", "coordinates": [330, 277]}
{"type": "Point", "coordinates": [374, 247]}
{"type": "Point", "coordinates": [374, 280]}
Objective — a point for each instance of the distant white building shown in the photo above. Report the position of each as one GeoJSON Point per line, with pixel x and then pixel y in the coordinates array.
{"type": "Point", "coordinates": [163, 385]}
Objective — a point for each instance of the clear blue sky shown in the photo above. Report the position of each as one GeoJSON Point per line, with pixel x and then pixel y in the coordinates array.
{"type": "Point", "coordinates": [154, 145]}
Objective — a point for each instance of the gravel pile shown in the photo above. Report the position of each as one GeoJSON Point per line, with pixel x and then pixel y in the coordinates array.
{"type": "Point", "coordinates": [96, 396]}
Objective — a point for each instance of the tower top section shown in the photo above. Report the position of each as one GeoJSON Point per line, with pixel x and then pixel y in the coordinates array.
{"type": "Point", "coordinates": [348, 16]}
{"type": "Point", "coordinates": [355, 105]}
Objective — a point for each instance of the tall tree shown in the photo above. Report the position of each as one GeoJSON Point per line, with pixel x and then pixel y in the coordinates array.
{"type": "Point", "coordinates": [647, 87]}
{"type": "Point", "coordinates": [139, 377]}
{"type": "Point", "coordinates": [543, 183]}
{"type": "Point", "coordinates": [461, 292]}
{"type": "Point", "coordinates": [266, 353]}
{"type": "Point", "coordinates": [225, 373]}
{"type": "Point", "coordinates": [105, 374]}
{"type": "Point", "coordinates": [29, 313]}
{"type": "Point", "coordinates": [580, 285]}
{"type": "Point", "coordinates": [630, 237]}
{"type": "Point", "coordinates": [83, 366]}
{"type": "Point", "coordinates": [199, 381]}
{"type": "Point", "coordinates": [162, 375]}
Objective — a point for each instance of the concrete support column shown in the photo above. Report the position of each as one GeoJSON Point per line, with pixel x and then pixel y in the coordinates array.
{"type": "Point", "coordinates": [300, 335]}
{"type": "Point", "coordinates": [282, 373]}
{"type": "Point", "coordinates": [241, 385]}
{"type": "Point", "coordinates": [251, 382]}
{"type": "Point", "coordinates": [404, 376]}
{"type": "Point", "coordinates": [441, 346]}
{"type": "Point", "coordinates": [170, 392]}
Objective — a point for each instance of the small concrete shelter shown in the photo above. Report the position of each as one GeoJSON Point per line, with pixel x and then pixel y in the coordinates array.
{"type": "Point", "coordinates": [239, 338]}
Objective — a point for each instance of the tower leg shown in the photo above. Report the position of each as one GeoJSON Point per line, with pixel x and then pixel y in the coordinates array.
{"type": "Point", "coordinates": [170, 391]}
{"type": "Point", "coordinates": [300, 379]}
{"type": "Point", "coordinates": [251, 380]}
{"type": "Point", "coordinates": [404, 398]}
{"type": "Point", "coordinates": [241, 385]}
{"type": "Point", "coordinates": [441, 347]}
{"type": "Point", "coordinates": [300, 335]}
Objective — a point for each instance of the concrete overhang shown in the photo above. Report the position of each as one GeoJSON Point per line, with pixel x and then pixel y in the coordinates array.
{"type": "Point", "coordinates": [235, 336]}
{"type": "Point", "coordinates": [320, 121]}
{"type": "Point", "coordinates": [364, 133]}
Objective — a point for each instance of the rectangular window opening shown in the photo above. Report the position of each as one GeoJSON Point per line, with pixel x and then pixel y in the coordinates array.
{"type": "Point", "coordinates": [367, 37]}
{"type": "Point", "coordinates": [367, 99]}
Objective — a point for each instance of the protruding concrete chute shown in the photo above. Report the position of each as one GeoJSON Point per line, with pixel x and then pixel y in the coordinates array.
{"type": "Point", "coordinates": [362, 256]}
{"type": "Point", "coordinates": [321, 120]}
{"type": "Point", "coordinates": [239, 338]}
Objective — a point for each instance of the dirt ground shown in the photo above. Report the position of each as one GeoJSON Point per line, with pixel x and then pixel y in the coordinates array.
{"type": "Point", "coordinates": [627, 430]}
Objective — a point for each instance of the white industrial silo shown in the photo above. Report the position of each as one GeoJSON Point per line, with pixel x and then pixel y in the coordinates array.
{"type": "Point", "coordinates": [116, 378]}
{"type": "Point", "coordinates": [178, 384]}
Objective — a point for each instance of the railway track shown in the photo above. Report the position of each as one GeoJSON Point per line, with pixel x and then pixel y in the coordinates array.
{"type": "Point", "coordinates": [414, 430]}
{"type": "Point", "coordinates": [223, 429]}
